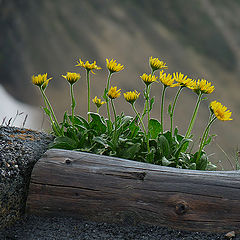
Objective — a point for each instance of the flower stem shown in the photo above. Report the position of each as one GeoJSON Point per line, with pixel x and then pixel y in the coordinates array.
{"type": "Point", "coordinates": [162, 105]}
{"type": "Point", "coordinates": [148, 114]}
{"type": "Point", "coordinates": [145, 103]}
{"type": "Point", "coordinates": [73, 101]}
{"type": "Point", "coordinates": [107, 99]}
{"type": "Point", "coordinates": [204, 136]}
{"type": "Point", "coordinates": [144, 129]}
{"type": "Point", "coordinates": [54, 120]}
{"type": "Point", "coordinates": [148, 105]}
{"type": "Point", "coordinates": [115, 124]}
{"type": "Point", "coordinates": [173, 108]}
{"type": "Point", "coordinates": [114, 112]}
{"type": "Point", "coordinates": [190, 127]}
{"type": "Point", "coordinates": [88, 85]}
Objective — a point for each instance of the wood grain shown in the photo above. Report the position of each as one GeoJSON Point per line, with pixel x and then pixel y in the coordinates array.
{"type": "Point", "coordinates": [107, 189]}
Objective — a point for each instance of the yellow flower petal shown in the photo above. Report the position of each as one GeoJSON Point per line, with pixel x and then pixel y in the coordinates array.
{"type": "Point", "coordinates": [114, 93]}
{"type": "Point", "coordinates": [220, 111]}
{"type": "Point", "coordinates": [113, 66]}
{"type": "Point", "coordinates": [148, 79]}
{"type": "Point", "coordinates": [98, 102]}
{"type": "Point", "coordinates": [72, 77]}
{"type": "Point", "coordinates": [87, 65]}
{"type": "Point", "coordinates": [41, 80]}
{"type": "Point", "coordinates": [202, 86]}
{"type": "Point", "coordinates": [183, 80]}
{"type": "Point", "coordinates": [131, 97]}
{"type": "Point", "coordinates": [156, 64]}
{"type": "Point", "coordinates": [167, 80]}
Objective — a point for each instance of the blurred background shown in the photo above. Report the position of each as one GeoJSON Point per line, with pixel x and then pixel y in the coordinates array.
{"type": "Point", "coordinates": [200, 38]}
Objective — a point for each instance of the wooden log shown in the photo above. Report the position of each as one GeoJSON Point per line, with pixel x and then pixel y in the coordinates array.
{"type": "Point", "coordinates": [107, 189]}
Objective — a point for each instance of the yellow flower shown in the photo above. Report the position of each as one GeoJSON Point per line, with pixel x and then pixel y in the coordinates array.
{"type": "Point", "coordinates": [167, 80]}
{"type": "Point", "coordinates": [183, 80]}
{"type": "Point", "coordinates": [41, 80]}
{"type": "Point", "coordinates": [72, 77]}
{"type": "Point", "coordinates": [148, 79]}
{"type": "Point", "coordinates": [98, 102]}
{"type": "Point", "coordinates": [220, 111]}
{"type": "Point", "coordinates": [114, 93]}
{"type": "Point", "coordinates": [156, 64]}
{"type": "Point", "coordinates": [131, 97]}
{"type": "Point", "coordinates": [87, 65]}
{"type": "Point", "coordinates": [113, 66]}
{"type": "Point", "coordinates": [202, 86]}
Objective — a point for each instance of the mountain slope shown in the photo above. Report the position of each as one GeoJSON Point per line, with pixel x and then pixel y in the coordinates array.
{"type": "Point", "coordinates": [199, 38]}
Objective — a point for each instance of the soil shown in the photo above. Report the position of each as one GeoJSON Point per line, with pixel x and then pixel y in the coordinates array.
{"type": "Point", "coordinates": [41, 228]}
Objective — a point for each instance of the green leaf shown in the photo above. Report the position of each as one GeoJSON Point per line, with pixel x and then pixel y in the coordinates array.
{"type": "Point", "coordinates": [124, 123]}
{"type": "Point", "coordinates": [176, 131]}
{"type": "Point", "coordinates": [131, 151]}
{"type": "Point", "coordinates": [81, 121]}
{"type": "Point", "coordinates": [182, 147]}
{"type": "Point", "coordinates": [97, 123]}
{"type": "Point", "coordinates": [150, 156]}
{"type": "Point", "coordinates": [155, 128]}
{"type": "Point", "coordinates": [209, 140]}
{"type": "Point", "coordinates": [144, 112]}
{"type": "Point", "coordinates": [125, 120]}
{"type": "Point", "coordinates": [105, 94]}
{"type": "Point", "coordinates": [163, 145]}
{"type": "Point", "coordinates": [71, 132]}
{"type": "Point", "coordinates": [192, 166]}
{"type": "Point", "coordinates": [168, 136]}
{"type": "Point", "coordinates": [47, 111]}
{"type": "Point", "coordinates": [202, 162]}
{"type": "Point", "coordinates": [165, 162]}
{"type": "Point", "coordinates": [151, 103]}
{"type": "Point", "coordinates": [101, 141]}
{"type": "Point", "coordinates": [64, 143]}
{"type": "Point", "coordinates": [134, 129]}
{"type": "Point", "coordinates": [211, 167]}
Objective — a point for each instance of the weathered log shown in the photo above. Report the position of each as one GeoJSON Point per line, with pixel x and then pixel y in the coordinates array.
{"type": "Point", "coordinates": [108, 189]}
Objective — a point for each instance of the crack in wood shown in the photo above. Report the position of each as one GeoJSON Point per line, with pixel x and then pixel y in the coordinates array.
{"type": "Point", "coordinates": [63, 186]}
{"type": "Point", "coordinates": [126, 175]}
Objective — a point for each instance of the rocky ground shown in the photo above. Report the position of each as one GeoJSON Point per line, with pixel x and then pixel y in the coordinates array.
{"type": "Point", "coordinates": [19, 151]}
{"type": "Point", "coordinates": [41, 228]}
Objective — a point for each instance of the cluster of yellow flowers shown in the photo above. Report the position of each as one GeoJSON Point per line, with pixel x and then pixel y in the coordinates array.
{"type": "Point", "coordinates": [200, 86]}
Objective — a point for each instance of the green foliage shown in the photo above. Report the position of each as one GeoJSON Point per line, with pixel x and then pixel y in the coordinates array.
{"type": "Point", "coordinates": [128, 137]}
{"type": "Point", "coordinates": [126, 140]}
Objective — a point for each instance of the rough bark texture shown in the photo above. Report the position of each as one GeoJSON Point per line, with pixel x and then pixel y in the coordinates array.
{"type": "Point", "coordinates": [107, 189]}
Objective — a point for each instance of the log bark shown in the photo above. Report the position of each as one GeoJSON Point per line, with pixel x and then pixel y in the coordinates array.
{"type": "Point", "coordinates": [107, 189]}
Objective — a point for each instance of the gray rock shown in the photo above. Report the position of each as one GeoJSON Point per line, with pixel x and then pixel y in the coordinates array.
{"type": "Point", "coordinates": [19, 151]}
